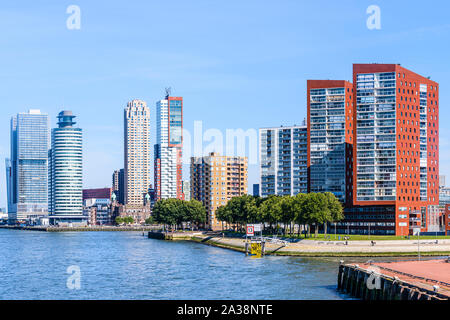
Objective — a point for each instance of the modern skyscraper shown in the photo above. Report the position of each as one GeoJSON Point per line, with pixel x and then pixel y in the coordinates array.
{"type": "Point", "coordinates": [27, 168]}
{"type": "Point", "coordinates": [330, 137]}
{"type": "Point", "coordinates": [66, 172]}
{"type": "Point", "coordinates": [216, 179]}
{"type": "Point", "coordinates": [396, 176]}
{"type": "Point", "coordinates": [168, 148]}
{"type": "Point", "coordinates": [118, 185]}
{"type": "Point", "coordinates": [283, 152]}
{"type": "Point", "coordinates": [137, 165]}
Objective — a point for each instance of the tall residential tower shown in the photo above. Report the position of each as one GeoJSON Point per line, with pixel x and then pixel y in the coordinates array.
{"type": "Point", "coordinates": [168, 148]}
{"type": "Point", "coordinates": [283, 167]}
{"type": "Point", "coordinates": [396, 153]}
{"type": "Point", "coordinates": [137, 166]}
{"type": "Point", "coordinates": [215, 179]}
{"type": "Point", "coordinates": [330, 137]}
{"type": "Point", "coordinates": [66, 172]}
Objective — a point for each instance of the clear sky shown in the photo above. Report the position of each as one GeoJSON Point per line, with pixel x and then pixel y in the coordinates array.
{"type": "Point", "coordinates": [237, 63]}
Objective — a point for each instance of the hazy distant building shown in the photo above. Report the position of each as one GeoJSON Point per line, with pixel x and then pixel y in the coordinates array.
{"type": "Point", "coordinates": [66, 172]}
{"type": "Point", "coordinates": [187, 190]}
{"type": "Point", "coordinates": [27, 167]}
{"type": "Point", "coordinates": [441, 181]}
{"type": "Point", "coordinates": [256, 189]}
{"type": "Point", "coordinates": [168, 148]}
{"type": "Point", "coordinates": [137, 162]}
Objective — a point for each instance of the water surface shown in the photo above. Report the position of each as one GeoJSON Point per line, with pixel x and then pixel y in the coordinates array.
{"type": "Point", "coordinates": [127, 265]}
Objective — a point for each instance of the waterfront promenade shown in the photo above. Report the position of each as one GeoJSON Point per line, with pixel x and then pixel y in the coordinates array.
{"type": "Point", "coordinates": [313, 248]}
{"type": "Point", "coordinates": [396, 280]}
{"type": "Point", "coordinates": [81, 229]}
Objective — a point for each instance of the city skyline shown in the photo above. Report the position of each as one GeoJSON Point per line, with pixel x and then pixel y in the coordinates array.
{"type": "Point", "coordinates": [210, 75]}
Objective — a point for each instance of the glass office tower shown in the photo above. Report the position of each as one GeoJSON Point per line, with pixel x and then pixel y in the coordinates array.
{"type": "Point", "coordinates": [27, 167]}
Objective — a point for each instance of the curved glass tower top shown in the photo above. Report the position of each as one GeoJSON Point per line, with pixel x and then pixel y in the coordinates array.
{"type": "Point", "coordinates": [65, 119]}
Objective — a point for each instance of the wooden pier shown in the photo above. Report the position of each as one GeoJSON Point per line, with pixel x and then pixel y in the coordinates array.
{"type": "Point", "coordinates": [402, 280]}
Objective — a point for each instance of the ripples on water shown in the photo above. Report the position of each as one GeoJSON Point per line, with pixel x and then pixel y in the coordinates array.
{"type": "Point", "coordinates": [126, 265]}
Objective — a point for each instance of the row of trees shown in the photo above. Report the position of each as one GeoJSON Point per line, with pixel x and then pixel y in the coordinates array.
{"type": "Point", "coordinates": [175, 212]}
{"type": "Point", "coordinates": [126, 220]}
{"type": "Point", "coordinates": [306, 210]}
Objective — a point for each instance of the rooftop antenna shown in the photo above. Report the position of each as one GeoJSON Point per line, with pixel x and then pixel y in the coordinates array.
{"type": "Point", "coordinates": [168, 91]}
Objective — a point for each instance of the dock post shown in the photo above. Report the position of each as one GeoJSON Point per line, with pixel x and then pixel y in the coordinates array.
{"type": "Point", "coordinates": [340, 272]}
{"type": "Point", "coordinates": [263, 248]}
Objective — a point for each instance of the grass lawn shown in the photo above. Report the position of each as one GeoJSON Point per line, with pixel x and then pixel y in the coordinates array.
{"type": "Point", "coordinates": [355, 237]}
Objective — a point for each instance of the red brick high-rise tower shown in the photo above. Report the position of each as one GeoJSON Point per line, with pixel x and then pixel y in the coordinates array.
{"type": "Point", "coordinates": [396, 151]}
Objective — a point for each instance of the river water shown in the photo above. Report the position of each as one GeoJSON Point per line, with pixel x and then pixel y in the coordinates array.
{"type": "Point", "coordinates": [127, 265]}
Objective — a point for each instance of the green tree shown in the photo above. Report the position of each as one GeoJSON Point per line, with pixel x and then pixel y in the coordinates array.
{"type": "Point", "coordinates": [223, 213]}
{"type": "Point", "coordinates": [162, 212]}
{"type": "Point", "coordinates": [299, 216]}
{"type": "Point", "coordinates": [286, 204]}
{"type": "Point", "coordinates": [336, 211]}
{"type": "Point", "coordinates": [315, 210]}
{"type": "Point", "coordinates": [270, 210]}
{"type": "Point", "coordinates": [149, 220]}
{"type": "Point", "coordinates": [119, 220]}
{"type": "Point", "coordinates": [194, 211]}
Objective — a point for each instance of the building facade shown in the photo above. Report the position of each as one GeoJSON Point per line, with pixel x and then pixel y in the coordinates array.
{"type": "Point", "coordinates": [256, 189]}
{"type": "Point", "coordinates": [330, 137]}
{"type": "Point", "coordinates": [118, 185]}
{"type": "Point", "coordinates": [215, 179]}
{"type": "Point", "coordinates": [98, 211]}
{"type": "Point", "coordinates": [283, 163]}
{"type": "Point", "coordinates": [27, 167]}
{"type": "Point", "coordinates": [447, 220]}
{"type": "Point", "coordinates": [98, 193]}
{"type": "Point", "coordinates": [396, 152]}
{"type": "Point", "coordinates": [137, 164]}
{"type": "Point", "coordinates": [168, 148]}
{"type": "Point", "coordinates": [66, 172]}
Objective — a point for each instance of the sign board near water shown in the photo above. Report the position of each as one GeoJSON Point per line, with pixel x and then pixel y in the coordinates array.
{"type": "Point", "coordinates": [250, 230]}
{"type": "Point", "coordinates": [257, 227]}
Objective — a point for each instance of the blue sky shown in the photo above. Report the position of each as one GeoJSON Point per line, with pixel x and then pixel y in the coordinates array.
{"type": "Point", "coordinates": [237, 64]}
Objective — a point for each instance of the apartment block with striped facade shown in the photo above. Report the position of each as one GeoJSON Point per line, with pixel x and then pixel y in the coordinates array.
{"type": "Point", "coordinates": [215, 179]}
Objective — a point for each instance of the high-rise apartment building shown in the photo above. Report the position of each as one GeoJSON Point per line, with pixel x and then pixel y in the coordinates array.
{"type": "Point", "coordinates": [215, 179]}
{"type": "Point", "coordinates": [168, 148]}
{"type": "Point", "coordinates": [66, 172]}
{"type": "Point", "coordinates": [27, 167]}
{"type": "Point", "coordinates": [137, 166]}
{"type": "Point", "coordinates": [396, 152]}
{"type": "Point", "coordinates": [118, 185]}
{"type": "Point", "coordinates": [330, 137]}
{"type": "Point", "coordinates": [283, 152]}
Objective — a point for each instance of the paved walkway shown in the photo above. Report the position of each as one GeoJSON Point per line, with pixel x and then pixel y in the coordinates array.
{"type": "Point", "coordinates": [310, 246]}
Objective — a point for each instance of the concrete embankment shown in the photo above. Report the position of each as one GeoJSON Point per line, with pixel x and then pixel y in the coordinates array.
{"type": "Point", "coordinates": [310, 248]}
{"type": "Point", "coordinates": [79, 229]}
{"type": "Point", "coordinates": [400, 280]}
